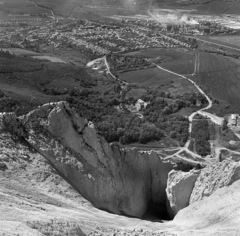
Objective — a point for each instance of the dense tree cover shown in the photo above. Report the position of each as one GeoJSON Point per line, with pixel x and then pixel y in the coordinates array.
{"type": "Point", "coordinates": [193, 100]}
{"type": "Point", "coordinates": [40, 74]}
{"type": "Point", "coordinates": [112, 124]}
{"type": "Point", "coordinates": [201, 135]}
{"type": "Point", "coordinates": [123, 63]}
{"type": "Point", "coordinates": [9, 104]}
{"type": "Point", "coordinates": [160, 113]}
{"type": "Point", "coordinates": [11, 63]}
{"type": "Point", "coordinates": [125, 126]}
{"type": "Point", "coordinates": [160, 118]}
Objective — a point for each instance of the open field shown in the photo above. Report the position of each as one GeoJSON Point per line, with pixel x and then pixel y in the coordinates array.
{"type": "Point", "coordinates": [185, 111]}
{"type": "Point", "coordinates": [92, 9]}
{"type": "Point", "coordinates": [220, 7]}
{"type": "Point", "coordinates": [221, 77]}
{"type": "Point", "coordinates": [52, 59]}
{"type": "Point", "coordinates": [181, 62]}
{"type": "Point", "coordinates": [22, 7]}
{"type": "Point", "coordinates": [154, 77]}
{"type": "Point", "coordinates": [92, 13]}
{"type": "Point", "coordinates": [148, 77]}
{"type": "Point", "coordinates": [226, 40]}
{"type": "Point", "coordinates": [19, 51]}
{"type": "Point", "coordinates": [66, 7]}
{"type": "Point", "coordinates": [201, 6]}
{"type": "Point", "coordinates": [66, 54]}
{"type": "Point", "coordinates": [136, 93]}
{"type": "Point", "coordinates": [178, 61]}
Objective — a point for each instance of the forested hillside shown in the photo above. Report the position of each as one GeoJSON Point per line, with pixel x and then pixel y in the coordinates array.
{"type": "Point", "coordinates": [26, 83]}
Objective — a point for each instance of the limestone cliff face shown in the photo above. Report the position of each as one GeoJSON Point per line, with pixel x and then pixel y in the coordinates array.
{"type": "Point", "coordinates": [215, 177]}
{"type": "Point", "coordinates": [179, 189]}
{"type": "Point", "coordinates": [185, 188]}
{"type": "Point", "coordinates": [217, 214]}
{"type": "Point", "coordinates": [116, 180]}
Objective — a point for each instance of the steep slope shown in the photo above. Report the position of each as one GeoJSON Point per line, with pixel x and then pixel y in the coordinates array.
{"type": "Point", "coordinates": [179, 189]}
{"type": "Point", "coordinates": [215, 177]}
{"type": "Point", "coordinates": [35, 200]}
{"type": "Point", "coordinates": [118, 181]}
{"type": "Point", "coordinates": [214, 215]}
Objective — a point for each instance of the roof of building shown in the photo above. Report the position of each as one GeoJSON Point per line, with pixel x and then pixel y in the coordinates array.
{"type": "Point", "coordinates": [234, 116]}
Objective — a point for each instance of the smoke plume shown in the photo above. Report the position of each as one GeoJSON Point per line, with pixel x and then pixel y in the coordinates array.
{"type": "Point", "coordinates": [172, 17]}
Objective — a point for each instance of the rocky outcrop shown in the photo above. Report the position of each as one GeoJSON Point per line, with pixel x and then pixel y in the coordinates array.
{"type": "Point", "coordinates": [215, 177]}
{"type": "Point", "coordinates": [35, 199]}
{"type": "Point", "coordinates": [3, 166]}
{"type": "Point", "coordinates": [184, 188]}
{"type": "Point", "coordinates": [113, 179]}
{"type": "Point", "coordinates": [179, 188]}
{"type": "Point", "coordinates": [217, 214]}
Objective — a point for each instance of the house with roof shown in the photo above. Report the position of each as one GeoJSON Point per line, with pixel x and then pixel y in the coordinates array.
{"type": "Point", "coordinates": [234, 120]}
{"type": "Point", "coordinates": [140, 104]}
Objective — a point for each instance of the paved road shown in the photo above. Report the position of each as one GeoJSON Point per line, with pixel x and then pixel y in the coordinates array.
{"type": "Point", "coordinates": [190, 118]}
{"type": "Point", "coordinates": [108, 68]}
{"type": "Point", "coordinates": [215, 119]}
{"type": "Point", "coordinates": [219, 149]}
{"type": "Point", "coordinates": [185, 148]}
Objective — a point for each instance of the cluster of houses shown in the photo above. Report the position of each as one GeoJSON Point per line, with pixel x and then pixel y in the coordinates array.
{"type": "Point", "coordinates": [93, 37]}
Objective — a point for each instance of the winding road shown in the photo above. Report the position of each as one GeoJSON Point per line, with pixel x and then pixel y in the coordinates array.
{"type": "Point", "coordinates": [215, 119]}
{"type": "Point", "coordinates": [108, 68]}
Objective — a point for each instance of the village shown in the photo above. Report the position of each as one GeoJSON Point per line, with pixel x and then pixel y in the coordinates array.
{"type": "Point", "coordinates": [92, 38]}
{"type": "Point", "coordinates": [42, 33]}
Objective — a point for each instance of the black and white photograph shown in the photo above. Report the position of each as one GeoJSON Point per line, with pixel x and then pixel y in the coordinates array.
{"type": "Point", "coordinates": [119, 117]}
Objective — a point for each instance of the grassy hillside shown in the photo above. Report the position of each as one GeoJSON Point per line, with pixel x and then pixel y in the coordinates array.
{"type": "Point", "coordinates": [203, 6]}
{"type": "Point", "coordinates": [93, 9]}
{"type": "Point", "coordinates": [26, 83]}
{"type": "Point", "coordinates": [29, 82]}
{"type": "Point", "coordinates": [221, 76]}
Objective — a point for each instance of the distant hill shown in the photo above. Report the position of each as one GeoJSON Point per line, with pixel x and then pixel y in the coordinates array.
{"type": "Point", "coordinates": [202, 6]}
{"type": "Point", "coordinates": [90, 8]}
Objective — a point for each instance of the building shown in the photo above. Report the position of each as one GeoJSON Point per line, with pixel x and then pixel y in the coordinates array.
{"type": "Point", "coordinates": [140, 104]}
{"type": "Point", "coordinates": [234, 120]}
